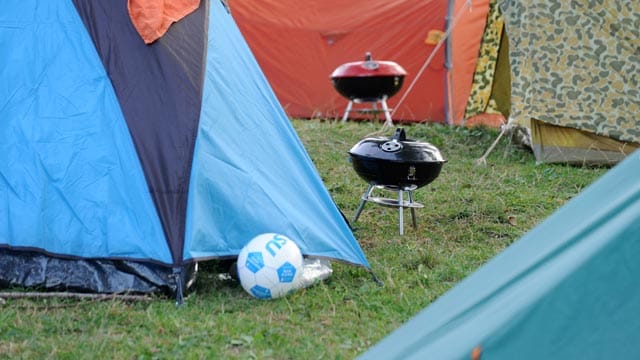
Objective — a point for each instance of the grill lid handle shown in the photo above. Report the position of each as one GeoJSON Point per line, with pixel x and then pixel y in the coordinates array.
{"type": "Point", "coordinates": [400, 135]}
{"type": "Point", "coordinates": [395, 144]}
{"type": "Point", "coordinates": [369, 63]}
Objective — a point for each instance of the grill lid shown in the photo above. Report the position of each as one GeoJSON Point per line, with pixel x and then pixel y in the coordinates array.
{"type": "Point", "coordinates": [398, 148]}
{"type": "Point", "coordinates": [368, 67]}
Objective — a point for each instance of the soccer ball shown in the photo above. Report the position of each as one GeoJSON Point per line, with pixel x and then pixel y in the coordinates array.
{"type": "Point", "coordinates": [270, 266]}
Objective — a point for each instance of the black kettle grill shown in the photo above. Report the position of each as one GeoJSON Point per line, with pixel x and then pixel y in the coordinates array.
{"type": "Point", "coordinates": [371, 81]}
{"type": "Point", "coordinates": [395, 164]}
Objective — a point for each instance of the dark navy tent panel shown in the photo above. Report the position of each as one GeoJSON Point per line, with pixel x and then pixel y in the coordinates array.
{"type": "Point", "coordinates": [70, 179]}
{"type": "Point", "coordinates": [251, 173]}
{"type": "Point", "coordinates": [159, 90]}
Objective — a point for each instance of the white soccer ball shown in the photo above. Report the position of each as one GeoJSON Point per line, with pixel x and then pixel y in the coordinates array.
{"type": "Point", "coordinates": [270, 266]}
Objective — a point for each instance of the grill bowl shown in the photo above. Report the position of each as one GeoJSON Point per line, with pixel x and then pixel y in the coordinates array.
{"type": "Point", "coordinates": [368, 80]}
{"type": "Point", "coordinates": [396, 162]}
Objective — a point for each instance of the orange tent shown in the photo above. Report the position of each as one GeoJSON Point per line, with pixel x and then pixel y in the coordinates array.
{"type": "Point", "coordinates": [299, 43]}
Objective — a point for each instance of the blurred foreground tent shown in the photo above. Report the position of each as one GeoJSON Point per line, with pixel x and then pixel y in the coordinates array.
{"type": "Point", "coordinates": [565, 290]}
{"type": "Point", "coordinates": [124, 161]}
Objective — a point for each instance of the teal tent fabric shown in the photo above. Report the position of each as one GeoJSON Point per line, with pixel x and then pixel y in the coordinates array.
{"type": "Point", "coordinates": [566, 290]}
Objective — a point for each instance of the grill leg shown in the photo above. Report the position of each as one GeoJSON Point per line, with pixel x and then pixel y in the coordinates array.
{"type": "Point", "coordinates": [387, 112]}
{"type": "Point", "coordinates": [413, 211]}
{"type": "Point", "coordinates": [347, 111]}
{"type": "Point", "coordinates": [400, 211]}
{"type": "Point", "coordinates": [363, 202]}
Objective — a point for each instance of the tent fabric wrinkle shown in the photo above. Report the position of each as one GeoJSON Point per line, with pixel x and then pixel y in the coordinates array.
{"type": "Point", "coordinates": [152, 18]}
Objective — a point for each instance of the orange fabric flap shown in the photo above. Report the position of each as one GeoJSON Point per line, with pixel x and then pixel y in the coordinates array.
{"type": "Point", "coordinates": [152, 18]}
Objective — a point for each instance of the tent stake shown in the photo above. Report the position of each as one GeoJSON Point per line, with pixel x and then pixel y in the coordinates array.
{"type": "Point", "coordinates": [483, 160]}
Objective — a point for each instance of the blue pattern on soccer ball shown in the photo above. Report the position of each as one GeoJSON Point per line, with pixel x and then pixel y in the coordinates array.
{"type": "Point", "coordinates": [286, 272]}
{"type": "Point", "coordinates": [254, 262]}
{"type": "Point", "coordinates": [261, 292]}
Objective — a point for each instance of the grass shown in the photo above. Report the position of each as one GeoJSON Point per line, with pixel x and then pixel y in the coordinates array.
{"type": "Point", "coordinates": [471, 213]}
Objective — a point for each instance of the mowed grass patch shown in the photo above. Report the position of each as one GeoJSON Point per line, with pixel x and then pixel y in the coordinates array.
{"type": "Point", "coordinates": [471, 213]}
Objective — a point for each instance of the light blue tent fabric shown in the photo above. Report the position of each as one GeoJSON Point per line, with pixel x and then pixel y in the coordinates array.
{"type": "Point", "coordinates": [566, 290]}
{"type": "Point", "coordinates": [251, 173]}
{"type": "Point", "coordinates": [70, 179]}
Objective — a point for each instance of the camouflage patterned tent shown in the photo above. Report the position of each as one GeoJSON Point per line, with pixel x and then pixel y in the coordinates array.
{"type": "Point", "coordinates": [575, 77]}
{"type": "Point", "coordinates": [566, 73]}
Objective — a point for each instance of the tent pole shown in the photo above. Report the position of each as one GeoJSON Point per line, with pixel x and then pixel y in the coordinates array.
{"type": "Point", "coordinates": [178, 277]}
{"type": "Point", "coordinates": [448, 64]}
{"type": "Point", "coordinates": [451, 23]}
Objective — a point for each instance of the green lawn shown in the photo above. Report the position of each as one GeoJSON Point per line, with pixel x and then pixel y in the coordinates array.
{"type": "Point", "coordinates": [471, 213]}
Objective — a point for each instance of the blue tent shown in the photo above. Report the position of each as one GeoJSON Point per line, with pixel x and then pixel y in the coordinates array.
{"type": "Point", "coordinates": [565, 290]}
{"type": "Point", "coordinates": [123, 163]}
